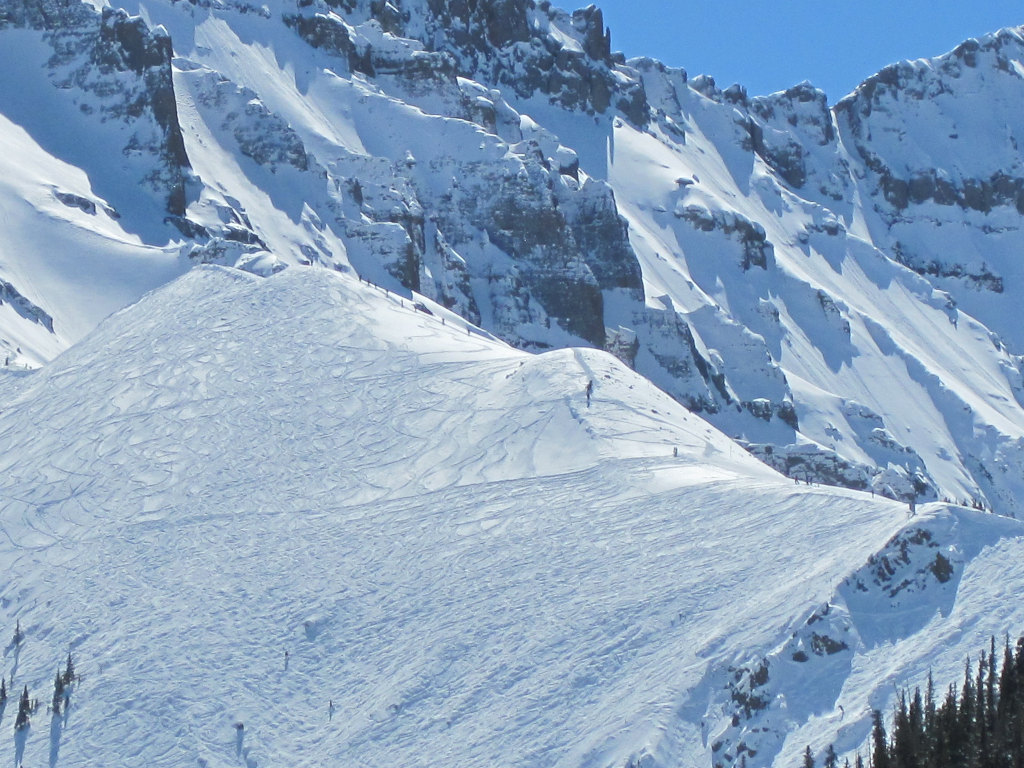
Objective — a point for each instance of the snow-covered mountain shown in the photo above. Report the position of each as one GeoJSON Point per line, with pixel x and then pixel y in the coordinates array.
{"type": "Point", "coordinates": [299, 520]}
{"type": "Point", "coordinates": [362, 436]}
{"type": "Point", "coordinates": [767, 261]}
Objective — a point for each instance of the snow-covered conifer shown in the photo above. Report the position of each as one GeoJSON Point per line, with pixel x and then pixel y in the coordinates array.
{"type": "Point", "coordinates": [58, 693]}
{"type": "Point", "coordinates": [24, 707]}
{"type": "Point", "coordinates": [69, 671]}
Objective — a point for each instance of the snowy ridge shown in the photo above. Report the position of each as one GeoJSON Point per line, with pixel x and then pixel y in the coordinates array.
{"type": "Point", "coordinates": [501, 399]}
{"type": "Point", "coordinates": [808, 690]}
{"type": "Point", "coordinates": [571, 593]}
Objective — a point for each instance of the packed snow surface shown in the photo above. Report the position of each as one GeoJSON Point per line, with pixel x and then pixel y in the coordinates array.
{"type": "Point", "coordinates": [298, 520]}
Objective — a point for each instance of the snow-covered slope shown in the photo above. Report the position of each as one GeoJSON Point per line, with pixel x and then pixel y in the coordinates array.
{"type": "Point", "coordinates": [66, 262]}
{"type": "Point", "coordinates": [298, 520]}
{"type": "Point", "coordinates": [832, 287]}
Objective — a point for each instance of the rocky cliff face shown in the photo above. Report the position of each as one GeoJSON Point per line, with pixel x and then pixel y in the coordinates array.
{"type": "Point", "coordinates": [526, 47]}
{"type": "Point", "coordinates": [773, 263]}
{"type": "Point", "coordinates": [940, 147]}
{"type": "Point", "coordinates": [126, 70]}
{"type": "Point", "coordinates": [508, 233]}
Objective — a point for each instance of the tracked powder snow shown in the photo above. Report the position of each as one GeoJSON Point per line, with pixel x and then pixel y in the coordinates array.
{"type": "Point", "coordinates": [434, 532]}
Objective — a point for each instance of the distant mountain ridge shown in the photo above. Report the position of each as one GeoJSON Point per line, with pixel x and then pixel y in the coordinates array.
{"type": "Point", "coordinates": [499, 158]}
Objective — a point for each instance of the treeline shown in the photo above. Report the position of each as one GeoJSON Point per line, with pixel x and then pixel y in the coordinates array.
{"type": "Point", "coordinates": [979, 724]}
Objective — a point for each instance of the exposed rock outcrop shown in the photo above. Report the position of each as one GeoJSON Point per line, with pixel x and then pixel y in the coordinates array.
{"type": "Point", "coordinates": [126, 68]}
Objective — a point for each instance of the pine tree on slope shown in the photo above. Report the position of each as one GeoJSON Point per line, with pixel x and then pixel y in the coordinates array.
{"type": "Point", "coordinates": [69, 671]}
{"type": "Point", "coordinates": [58, 693]}
{"type": "Point", "coordinates": [24, 706]}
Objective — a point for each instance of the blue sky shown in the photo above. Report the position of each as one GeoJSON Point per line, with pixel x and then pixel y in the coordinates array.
{"type": "Point", "coordinates": [768, 46]}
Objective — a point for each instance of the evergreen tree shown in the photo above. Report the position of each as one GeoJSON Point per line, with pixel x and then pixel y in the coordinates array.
{"type": "Point", "coordinates": [1007, 708]}
{"type": "Point", "coordinates": [24, 707]}
{"type": "Point", "coordinates": [946, 739]}
{"type": "Point", "coordinates": [808, 758]}
{"type": "Point", "coordinates": [904, 750]}
{"type": "Point", "coordinates": [981, 730]}
{"type": "Point", "coordinates": [982, 726]}
{"type": "Point", "coordinates": [1015, 719]}
{"type": "Point", "coordinates": [1007, 683]}
{"type": "Point", "coordinates": [1019, 664]}
{"type": "Point", "coordinates": [928, 727]}
{"type": "Point", "coordinates": [69, 671]}
{"type": "Point", "coordinates": [58, 693]}
{"type": "Point", "coordinates": [990, 686]}
{"type": "Point", "coordinates": [831, 758]}
{"type": "Point", "coordinates": [965, 737]}
{"type": "Point", "coordinates": [879, 743]}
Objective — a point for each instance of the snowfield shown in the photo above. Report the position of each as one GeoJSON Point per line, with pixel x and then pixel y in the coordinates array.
{"type": "Point", "coordinates": [297, 521]}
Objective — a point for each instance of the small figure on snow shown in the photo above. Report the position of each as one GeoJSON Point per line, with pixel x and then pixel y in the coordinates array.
{"type": "Point", "coordinates": [330, 709]}
{"type": "Point", "coordinates": [590, 391]}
